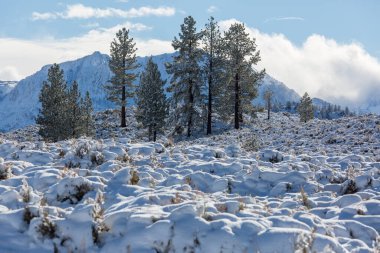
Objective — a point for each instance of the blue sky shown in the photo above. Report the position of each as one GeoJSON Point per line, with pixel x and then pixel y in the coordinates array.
{"type": "Point", "coordinates": [315, 46]}
{"type": "Point", "coordinates": [343, 20]}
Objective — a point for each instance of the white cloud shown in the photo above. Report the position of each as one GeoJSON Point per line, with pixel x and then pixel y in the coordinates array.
{"type": "Point", "coordinates": [341, 73]}
{"type": "Point", "coordinates": [212, 9]}
{"type": "Point", "coordinates": [9, 73]}
{"type": "Point", "coordinates": [27, 57]}
{"type": "Point", "coordinates": [284, 19]}
{"type": "Point", "coordinates": [80, 11]}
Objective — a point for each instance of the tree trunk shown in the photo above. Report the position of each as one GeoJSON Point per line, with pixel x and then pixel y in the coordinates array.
{"type": "Point", "coordinates": [149, 132]}
{"type": "Point", "coordinates": [237, 102]}
{"type": "Point", "coordinates": [209, 112]}
{"type": "Point", "coordinates": [154, 135]}
{"type": "Point", "coordinates": [123, 121]}
{"type": "Point", "coordinates": [191, 101]}
{"type": "Point", "coordinates": [269, 105]}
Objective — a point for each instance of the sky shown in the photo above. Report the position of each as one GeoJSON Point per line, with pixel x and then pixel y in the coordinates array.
{"type": "Point", "coordinates": [328, 48]}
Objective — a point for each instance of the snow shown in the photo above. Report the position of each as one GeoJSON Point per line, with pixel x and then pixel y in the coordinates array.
{"type": "Point", "coordinates": [310, 187]}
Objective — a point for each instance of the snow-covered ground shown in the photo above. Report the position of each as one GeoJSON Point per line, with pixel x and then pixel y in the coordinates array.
{"type": "Point", "coordinates": [274, 186]}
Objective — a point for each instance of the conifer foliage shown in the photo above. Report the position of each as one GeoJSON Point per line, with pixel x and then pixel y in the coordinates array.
{"type": "Point", "coordinates": [151, 100]}
{"type": "Point", "coordinates": [123, 64]}
{"type": "Point", "coordinates": [53, 102]}
{"type": "Point", "coordinates": [305, 108]}
{"type": "Point", "coordinates": [185, 84]}
{"type": "Point", "coordinates": [63, 114]}
{"type": "Point", "coordinates": [242, 79]}
{"type": "Point", "coordinates": [213, 67]}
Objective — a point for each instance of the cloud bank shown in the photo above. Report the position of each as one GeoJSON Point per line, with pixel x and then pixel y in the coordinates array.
{"type": "Point", "coordinates": [340, 73]}
{"type": "Point", "coordinates": [80, 11]}
{"type": "Point", "coordinates": [25, 57]}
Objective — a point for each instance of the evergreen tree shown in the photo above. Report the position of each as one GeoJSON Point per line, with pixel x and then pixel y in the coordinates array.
{"type": "Point", "coordinates": [151, 100]}
{"type": "Point", "coordinates": [305, 108]}
{"type": "Point", "coordinates": [63, 113]}
{"type": "Point", "coordinates": [87, 122]}
{"type": "Point", "coordinates": [186, 75]}
{"type": "Point", "coordinates": [268, 100]}
{"type": "Point", "coordinates": [213, 67]}
{"type": "Point", "coordinates": [123, 64]}
{"type": "Point", "coordinates": [52, 116]}
{"type": "Point", "coordinates": [74, 111]}
{"type": "Point", "coordinates": [243, 80]}
{"type": "Point", "coordinates": [346, 111]}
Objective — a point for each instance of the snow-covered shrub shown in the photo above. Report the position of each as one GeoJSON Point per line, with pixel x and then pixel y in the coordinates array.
{"type": "Point", "coordinates": [349, 187]}
{"type": "Point", "coordinates": [98, 216]}
{"type": "Point", "coordinates": [251, 144]}
{"type": "Point", "coordinates": [97, 158]}
{"type": "Point", "coordinates": [47, 228]}
{"type": "Point", "coordinates": [5, 171]}
{"type": "Point", "coordinates": [70, 189]}
{"type": "Point", "coordinates": [304, 199]}
{"type": "Point", "coordinates": [25, 191]}
{"type": "Point", "coordinates": [134, 177]}
{"type": "Point", "coordinates": [29, 214]}
{"type": "Point", "coordinates": [304, 243]}
{"type": "Point", "coordinates": [82, 150]}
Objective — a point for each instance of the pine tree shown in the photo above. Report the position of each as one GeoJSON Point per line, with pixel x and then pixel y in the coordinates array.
{"type": "Point", "coordinates": [123, 64]}
{"type": "Point", "coordinates": [213, 67]}
{"type": "Point", "coordinates": [243, 80]}
{"type": "Point", "coordinates": [87, 121]}
{"type": "Point", "coordinates": [74, 111]}
{"type": "Point", "coordinates": [186, 75]}
{"type": "Point", "coordinates": [63, 112]}
{"type": "Point", "coordinates": [151, 100]}
{"type": "Point", "coordinates": [346, 111]}
{"type": "Point", "coordinates": [268, 100]}
{"type": "Point", "coordinates": [305, 108]}
{"type": "Point", "coordinates": [52, 116]}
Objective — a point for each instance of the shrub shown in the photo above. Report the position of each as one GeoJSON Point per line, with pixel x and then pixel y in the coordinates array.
{"type": "Point", "coordinates": [47, 228]}
{"type": "Point", "coordinates": [5, 171]}
{"type": "Point", "coordinates": [304, 198]}
{"type": "Point", "coordinates": [77, 195]}
{"type": "Point", "coordinates": [252, 144]}
{"type": "Point", "coordinates": [28, 215]}
{"type": "Point", "coordinates": [135, 178]}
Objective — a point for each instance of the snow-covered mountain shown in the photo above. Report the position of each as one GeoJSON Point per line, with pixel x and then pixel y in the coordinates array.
{"type": "Point", "coordinates": [281, 93]}
{"type": "Point", "coordinates": [20, 106]}
{"type": "Point", "coordinates": [6, 87]}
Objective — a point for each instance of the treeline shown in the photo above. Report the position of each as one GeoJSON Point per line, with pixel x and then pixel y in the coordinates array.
{"type": "Point", "coordinates": [211, 76]}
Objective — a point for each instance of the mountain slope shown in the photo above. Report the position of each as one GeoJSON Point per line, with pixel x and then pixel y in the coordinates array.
{"type": "Point", "coordinates": [20, 106]}
{"type": "Point", "coordinates": [6, 87]}
{"type": "Point", "coordinates": [281, 93]}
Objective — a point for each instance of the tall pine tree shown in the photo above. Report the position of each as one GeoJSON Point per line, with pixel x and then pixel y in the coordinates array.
{"type": "Point", "coordinates": [213, 67]}
{"type": "Point", "coordinates": [305, 108]}
{"type": "Point", "coordinates": [87, 110]}
{"type": "Point", "coordinates": [268, 94]}
{"type": "Point", "coordinates": [243, 80]}
{"type": "Point", "coordinates": [53, 98]}
{"type": "Point", "coordinates": [186, 75]}
{"type": "Point", "coordinates": [151, 100]}
{"type": "Point", "coordinates": [123, 64]}
{"type": "Point", "coordinates": [74, 111]}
